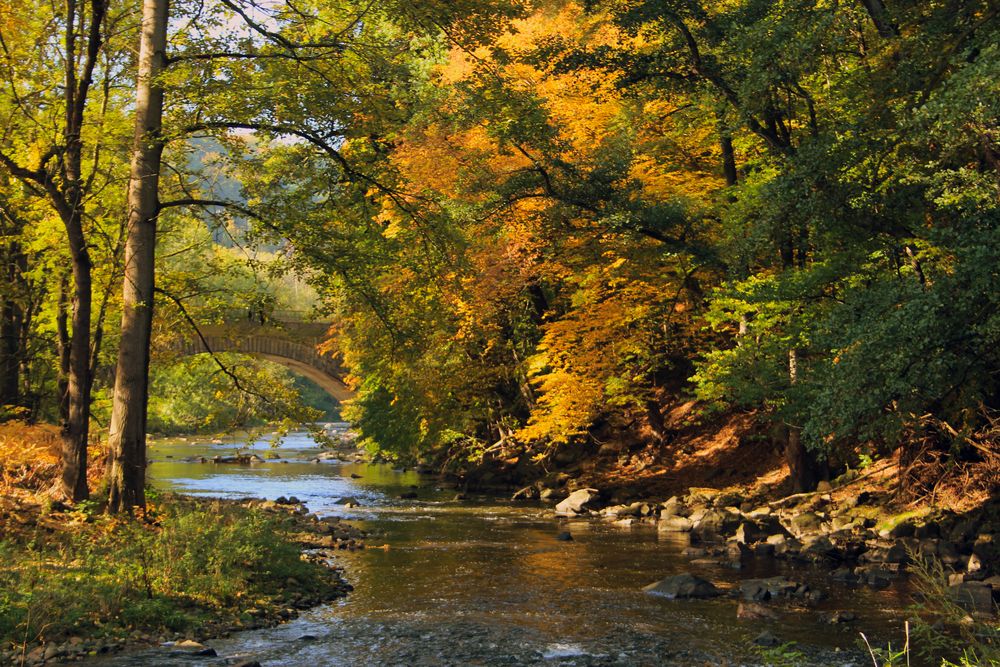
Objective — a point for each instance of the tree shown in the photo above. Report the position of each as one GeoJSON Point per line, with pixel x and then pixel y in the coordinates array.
{"type": "Point", "coordinates": [56, 143]}
{"type": "Point", "coordinates": [127, 437]}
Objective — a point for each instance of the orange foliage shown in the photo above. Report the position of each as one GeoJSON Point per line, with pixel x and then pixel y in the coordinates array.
{"type": "Point", "coordinates": [30, 455]}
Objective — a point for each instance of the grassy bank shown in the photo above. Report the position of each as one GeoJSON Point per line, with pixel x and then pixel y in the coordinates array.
{"type": "Point", "coordinates": [78, 582]}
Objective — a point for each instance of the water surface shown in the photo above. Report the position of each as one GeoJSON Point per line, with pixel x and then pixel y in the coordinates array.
{"type": "Point", "coordinates": [486, 582]}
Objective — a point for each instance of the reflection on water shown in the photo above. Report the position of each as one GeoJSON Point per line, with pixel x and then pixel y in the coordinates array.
{"type": "Point", "coordinates": [487, 583]}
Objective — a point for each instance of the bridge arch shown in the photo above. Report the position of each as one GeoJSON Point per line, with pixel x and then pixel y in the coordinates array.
{"type": "Point", "coordinates": [290, 344]}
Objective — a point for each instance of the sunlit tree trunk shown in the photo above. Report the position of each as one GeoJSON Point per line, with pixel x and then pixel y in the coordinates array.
{"type": "Point", "coordinates": [128, 417]}
{"type": "Point", "coordinates": [69, 202]}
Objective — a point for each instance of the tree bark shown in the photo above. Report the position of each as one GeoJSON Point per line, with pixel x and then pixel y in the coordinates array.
{"type": "Point", "coordinates": [12, 322]}
{"type": "Point", "coordinates": [879, 16]}
{"type": "Point", "coordinates": [69, 203]}
{"type": "Point", "coordinates": [76, 428]}
{"type": "Point", "coordinates": [128, 418]}
{"type": "Point", "coordinates": [803, 468]}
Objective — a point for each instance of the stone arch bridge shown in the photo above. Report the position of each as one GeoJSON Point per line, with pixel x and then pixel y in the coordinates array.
{"type": "Point", "coordinates": [285, 337]}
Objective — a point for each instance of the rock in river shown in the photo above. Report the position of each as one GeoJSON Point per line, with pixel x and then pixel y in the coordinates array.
{"type": "Point", "coordinates": [683, 586]}
{"type": "Point", "coordinates": [577, 502]}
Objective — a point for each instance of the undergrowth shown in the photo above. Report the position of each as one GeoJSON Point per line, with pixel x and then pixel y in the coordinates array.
{"type": "Point", "coordinates": [173, 570]}
{"type": "Point", "coordinates": [941, 631]}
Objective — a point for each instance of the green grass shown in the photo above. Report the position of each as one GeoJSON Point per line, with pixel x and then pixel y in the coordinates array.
{"type": "Point", "coordinates": [191, 565]}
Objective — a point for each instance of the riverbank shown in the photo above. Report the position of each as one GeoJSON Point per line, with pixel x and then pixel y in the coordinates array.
{"type": "Point", "coordinates": [721, 488]}
{"type": "Point", "coordinates": [77, 583]}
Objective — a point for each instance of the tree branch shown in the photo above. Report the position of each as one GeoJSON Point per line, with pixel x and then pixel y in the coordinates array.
{"type": "Point", "coordinates": [208, 348]}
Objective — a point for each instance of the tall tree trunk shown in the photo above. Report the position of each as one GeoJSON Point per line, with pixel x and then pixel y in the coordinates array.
{"type": "Point", "coordinates": [128, 417]}
{"type": "Point", "coordinates": [69, 202]}
{"type": "Point", "coordinates": [11, 325]}
{"type": "Point", "coordinates": [76, 427]}
{"type": "Point", "coordinates": [803, 468]}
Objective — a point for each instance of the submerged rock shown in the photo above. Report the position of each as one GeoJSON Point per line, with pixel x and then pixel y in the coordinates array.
{"type": "Point", "coordinates": [765, 589]}
{"type": "Point", "coordinates": [766, 639]}
{"type": "Point", "coordinates": [683, 586]}
{"type": "Point", "coordinates": [840, 617]}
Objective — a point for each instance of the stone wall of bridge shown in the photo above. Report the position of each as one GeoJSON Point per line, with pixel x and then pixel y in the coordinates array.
{"type": "Point", "coordinates": [291, 344]}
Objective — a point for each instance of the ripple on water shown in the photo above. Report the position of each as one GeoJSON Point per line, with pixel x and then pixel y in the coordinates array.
{"type": "Point", "coordinates": [486, 583]}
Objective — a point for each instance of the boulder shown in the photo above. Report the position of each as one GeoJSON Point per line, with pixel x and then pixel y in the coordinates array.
{"type": "Point", "coordinates": [682, 586]}
{"type": "Point", "coordinates": [840, 617]}
{"type": "Point", "coordinates": [964, 530]}
{"type": "Point", "coordinates": [879, 577]}
{"type": "Point", "coordinates": [975, 564]}
{"type": "Point", "coordinates": [765, 589]}
{"type": "Point", "coordinates": [987, 549]}
{"type": "Point", "coordinates": [820, 547]}
{"type": "Point", "coordinates": [947, 552]}
{"type": "Point", "coordinates": [766, 639]}
{"type": "Point", "coordinates": [550, 495]}
{"type": "Point", "coordinates": [672, 507]}
{"type": "Point", "coordinates": [577, 502]}
{"type": "Point", "coordinates": [701, 496]}
{"type": "Point", "coordinates": [618, 511]}
{"type": "Point", "coordinates": [902, 529]}
{"type": "Point", "coordinates": [527, 493]}
{"type": "Point", "coordinates": [750, 533]}
{"type": "Point", "coordinates": [845, 575]}
{"type": "Point", "coordinates": [770, 524]}
{"type": "Point", "coordinates": [716, 523]}
{"type": "Point", "coordinates": [806, 522]}
{"type": "Point", "coordinates": [674, 524]}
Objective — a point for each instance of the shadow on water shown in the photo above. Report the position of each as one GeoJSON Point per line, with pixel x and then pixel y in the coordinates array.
{"type": "Point", "coordinates": [486, 582]}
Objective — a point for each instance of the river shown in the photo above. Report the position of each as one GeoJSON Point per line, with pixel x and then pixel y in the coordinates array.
{"type": "Point", "coordinates": [485, 581]}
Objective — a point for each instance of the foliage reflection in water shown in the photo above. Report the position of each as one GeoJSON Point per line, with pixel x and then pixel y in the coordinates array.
{"type": "Point", "coordinates": [486, 583]}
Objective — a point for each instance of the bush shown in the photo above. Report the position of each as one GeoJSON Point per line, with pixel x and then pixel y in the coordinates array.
{"type": "Point", "coordinates": [172, 571]}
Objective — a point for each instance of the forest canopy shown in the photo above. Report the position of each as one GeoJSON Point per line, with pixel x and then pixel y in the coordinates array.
{"type": "Point", "coordinates": [531, 223]}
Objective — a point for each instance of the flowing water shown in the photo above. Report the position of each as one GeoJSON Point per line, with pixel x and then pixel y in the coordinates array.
{"type": "Point", "coordinates": [486, 582]}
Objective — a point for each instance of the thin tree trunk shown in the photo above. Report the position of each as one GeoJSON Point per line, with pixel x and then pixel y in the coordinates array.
{"type": "Point", "coordinates": [76, 427]}
{"type": "Point", "coordinates": [69, 202]}
{"type": "Point", "coordinates": [728, 158]}
{"type": "Point", "coordinates": [803, 468]}
{"type": "Point", "coordinates": [128, 418]}
{"type": "Point", "coordinates": [11, 324]}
